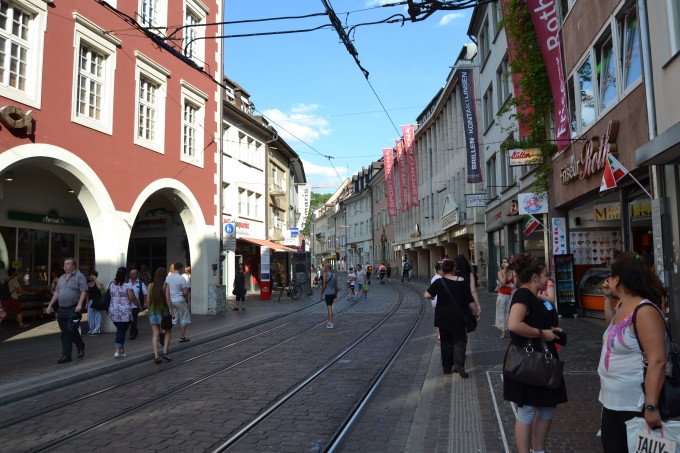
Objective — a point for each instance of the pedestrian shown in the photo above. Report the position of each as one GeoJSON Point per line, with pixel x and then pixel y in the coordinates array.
{"type": "Point", "coordinates": [240, 288]}
{"type": "Point", "coordinates": [145, 275]}
{"type": "Point", "coordinates": [351, 281]}
{"type": "Point", "coordinates": [329, 288]}
{"type": "Point", "coordinates": [12, 304]}
{"type": "Point", "coordinates": [454, 304]}
{"type": "Point", "coordinates": [362, 283]}
{"type": "Point", "coordinates": [70, 294]}
{"type": "Point", "coordinates": [160, 311]}
{"type": "Point", "coordinates": [369, 271]}
{"type": "Point", "coordinates": [410, 269]}
{"type": "Point", "coordinates": [187, 277]}
{"type": "Point", "coordinates": [405, 270]}
{"type": "Point", "coordinates": [465, 269]}
{"type": "Point", "coordinates": [437, 275]}
{"type": "Point", "coordinates": [505, 283]}
{"type": "Point", "coordinates": [177, 291]}
{"type": "Point", "coordinates": [140, 294]}
{"type": "Point", "coordinates": [389, 272]}
{"type": "Point", "coordinates": [382, 270]}
{"type": "Point", "coordinates": [626, 390]}
{"type": "Point", "coordinates": [94, 292]}
{"type": "Point", "coordinates": [531, 319]}
{"type": "Point", "coordinates": [120, 309]}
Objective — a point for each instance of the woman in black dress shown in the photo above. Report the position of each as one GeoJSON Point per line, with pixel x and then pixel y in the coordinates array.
{"type": "Point", "coordinates": [240, 288]}
{"type": "Point", "coordinates": [454, 304]}
{"type": "Point", "coordinates": [531, 318]}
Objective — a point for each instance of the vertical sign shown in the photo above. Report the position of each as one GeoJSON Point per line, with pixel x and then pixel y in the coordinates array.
{"type": "Point", "coordinates": [390, 189]}
{"type": "Point", "coordinates": [467, 94]}
{"type": "Point", "coordinates": [559, 236]}
{"type": "Point", "coordinates": [547, 25]}
{"type": "Point", "coordinates": [403, 176]}
{"type": "Point", "coordinates": [411, 163]}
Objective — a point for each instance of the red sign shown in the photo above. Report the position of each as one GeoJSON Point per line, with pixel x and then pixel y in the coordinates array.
{"type": "Point", "coordinates": [390, 189]}
{"type": "Point", "coordinates": [411, 163]}
{"type": "Point", "coordinates": [403, 176]}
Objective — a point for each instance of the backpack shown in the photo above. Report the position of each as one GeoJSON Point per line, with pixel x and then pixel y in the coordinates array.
{"type": "Point", "coordinates": [4, 291]}
{"type": "Point", "coordinates": [369, 269]}
{"type": "Point", "coordinates": [407, 266]}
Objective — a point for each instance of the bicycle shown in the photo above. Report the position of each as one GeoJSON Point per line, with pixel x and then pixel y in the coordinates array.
{"type": "Point", "coordinates": [293, 290]}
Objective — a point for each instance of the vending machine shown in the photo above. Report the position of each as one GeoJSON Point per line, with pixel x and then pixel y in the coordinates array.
{"type": "Point", "coordinates": [565, 287]}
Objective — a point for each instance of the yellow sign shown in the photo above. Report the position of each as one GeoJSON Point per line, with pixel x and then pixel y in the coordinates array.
{"type": "Point", "coordinates": [606, 211]}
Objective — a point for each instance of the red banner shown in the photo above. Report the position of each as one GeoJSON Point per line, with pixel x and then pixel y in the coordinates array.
{"type": "Point", "coordinates": [390, 189]}
{"type": "Point", "coordinates": [411, 163]}
{"type": "Point", "coordinates": [547, 25]}
{"type": "Point", "coordinates": [403, 176]}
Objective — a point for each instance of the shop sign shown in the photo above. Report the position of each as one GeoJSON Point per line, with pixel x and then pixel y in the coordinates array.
{"type": "Point", "coordinates": [52, 218]}
{"type": "Point", "coordinates": [14, 118]}
{"type": "Point", "coordinates": [452, 218]}
{"type": "Point", "coordinates": [606, 211]}
{"type": "Point", "coordinates": [641, 208]}
{"type": "Point", "coordinates": [494, 219]}
{"type": "Point", "coordinates": [519, 157]}
{"type": "Point", "coordinates": [593, 155]}
{"type": "Point", "coordinates": [533, 203]}
{"type": "Point", "coordinates": [241, 227]}
{"type": "Point", "coordinates": [475, 200]}
{"type": "Point", "coordinates": [559, 234]}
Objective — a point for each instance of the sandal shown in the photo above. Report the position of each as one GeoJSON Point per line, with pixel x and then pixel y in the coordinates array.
{"type": "Point", "coordinates": [184, 340]}
{"type": "Point", "coordinates": [157, 360]}
{"type": "Point", "coordinates": [166, 357]}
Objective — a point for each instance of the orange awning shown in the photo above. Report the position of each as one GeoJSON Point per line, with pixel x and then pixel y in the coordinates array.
{"type": "Point", "coordinates": [270, 244]}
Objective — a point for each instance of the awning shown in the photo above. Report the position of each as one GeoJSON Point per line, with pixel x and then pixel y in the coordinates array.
{"type": "Point", "coordinates": [270, 244]}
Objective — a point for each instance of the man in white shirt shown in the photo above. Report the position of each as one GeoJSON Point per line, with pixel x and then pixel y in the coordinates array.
{"type": "Point", "coordinates": [362, 282]}
{"type": "Point", "coordinates": [139, 289]}
{"type": "Point", "coordinates": [177, 291]}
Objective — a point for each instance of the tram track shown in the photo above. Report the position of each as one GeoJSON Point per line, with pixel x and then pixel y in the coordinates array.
{"type": "Point", "coordinates": [185, 386]}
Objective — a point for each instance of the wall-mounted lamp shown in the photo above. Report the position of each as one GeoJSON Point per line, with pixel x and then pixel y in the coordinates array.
{"type": "Point", "coordinates": [69, 190]}
{"type": "Point", "coordinates": [8, 176]}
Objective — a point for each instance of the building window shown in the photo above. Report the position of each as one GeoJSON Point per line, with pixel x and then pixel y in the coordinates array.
{"type": "Point", "coordinates": [629, 38]}
{"type": "Point", "coordinates": [153, 14]}
{"type": "Point", "coordinates": [491, 189]}
{"type": "Point", "coordinates": [484, 48]}
{"type": "Point", "coordinates": [674, 25]}
{"type": "Point", "coordinates": [193, 116]}
{"type": "Point", "coordinates": [503, 82]}
{"type": "Point", "coordinates": [487, 102]}
{"type": "Point", "coordinates": [195, 13]}
{"type": "Point", "coordinates": [606, 72]}
{"type": "Point", "coordinates": [585, 97]}
{"type": "Point", "coordinates": [93, 76]}
{"type": "Point", "coordinates": [22, 30]}
{"type": "Point", "coordinates": [151, 92]}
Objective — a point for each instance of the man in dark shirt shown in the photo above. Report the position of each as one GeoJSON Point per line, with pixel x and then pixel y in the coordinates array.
{"type": "Point", "coordinates": [71, 293]}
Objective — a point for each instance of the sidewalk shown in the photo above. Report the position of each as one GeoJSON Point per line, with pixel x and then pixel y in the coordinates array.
{"type": "Point", "coordinates": [28, 357]}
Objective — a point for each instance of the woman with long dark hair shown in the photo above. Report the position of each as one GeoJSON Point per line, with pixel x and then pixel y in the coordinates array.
{"type": "Point", "coordinates": [625, 390]}
{"type": "Point", "coordinates": [120, 311]}
{"type": "Point", "coordinates": [159, 308]}
{"type": "Point", "coordinates": [454, 304]}
{"type": "Point", "coordinates": [532, 319]}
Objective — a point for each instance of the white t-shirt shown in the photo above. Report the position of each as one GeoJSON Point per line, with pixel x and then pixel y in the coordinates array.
{"type": "Point", "coordinates": [361, 277]}
{"type": "Point", "coordinates": [187, 278]}
{"type": "Point", "coordinates": [176, 283]}
{"type": "Point", "coordinates": [351, 277]}
{"type": "Point", "coordinates": [434, 300]}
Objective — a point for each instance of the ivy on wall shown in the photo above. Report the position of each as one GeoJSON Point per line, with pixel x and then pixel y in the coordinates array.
{"type": "Point", "coordinates": [534, 103]}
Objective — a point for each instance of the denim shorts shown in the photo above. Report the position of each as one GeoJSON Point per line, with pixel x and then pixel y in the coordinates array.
{"type": "Point", "coordinates": [155, 318]}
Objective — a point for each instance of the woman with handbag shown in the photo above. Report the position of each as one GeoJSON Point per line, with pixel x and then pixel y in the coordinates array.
{"type": "Point", "coordinates": [161, 314]}
{"type": "Point", "coordinates": [240, 288]}
{"type": "Point", "coordinates": [94, 295]}
{"type": "Point", "coordinates": [532, 321]}
{"type": "Point", "coordinates": [119, 309]}
{"type": "Point", "coordinates": [454, 304]}
{"type": "Point", "coordinates": [626, 390]}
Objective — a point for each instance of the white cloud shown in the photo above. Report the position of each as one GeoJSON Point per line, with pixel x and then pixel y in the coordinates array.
{"type": "Point", "coordinates": [322, 176]}
{"type": "Point", "coordinates": [298, 124]}
{"type": "Point", "coordinates": [378, 2]}
{"type": "Point", "coordinates": [449, 18]}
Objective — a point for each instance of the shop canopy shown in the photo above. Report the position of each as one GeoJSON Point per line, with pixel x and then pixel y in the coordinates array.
{"type": "Point", "coordinates": [270, 244]}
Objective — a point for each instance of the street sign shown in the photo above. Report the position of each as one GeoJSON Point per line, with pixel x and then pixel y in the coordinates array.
{"type": "Point", "coordinates": [230, 238]}
{"type": "Point", "coordinates": [229, 229]}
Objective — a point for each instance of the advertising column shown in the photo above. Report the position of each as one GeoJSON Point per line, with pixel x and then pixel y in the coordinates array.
{"type": "Point", "coordinates": [265, 280]}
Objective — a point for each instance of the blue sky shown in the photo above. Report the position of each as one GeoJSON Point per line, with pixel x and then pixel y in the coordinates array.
{"type": "Point", "coordinates": [309, 84]}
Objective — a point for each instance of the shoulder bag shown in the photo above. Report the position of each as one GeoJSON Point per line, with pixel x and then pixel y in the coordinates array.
{"type": "Point", "coordinates": [470, 320]}
{"type": "Point", "coordinates": [669, 398]}
{"type": "Point", "coordinates": [105, 301]}
{"type": "Point", "coordinates": [528, 366]}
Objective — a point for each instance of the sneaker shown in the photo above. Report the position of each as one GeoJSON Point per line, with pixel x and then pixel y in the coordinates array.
{"type": "Point", "coordinates": [464, 374]}
{"type": "Point", "coordinates": [330, 326]}
{"type": "Point", "coordinates": [365, 298]}
{"type": "Point", "coordinates": [116, 356]}
{"type": "Point", "coordinates": [64, 359]}
{"type": "Point", "coordinates": [81, 353]}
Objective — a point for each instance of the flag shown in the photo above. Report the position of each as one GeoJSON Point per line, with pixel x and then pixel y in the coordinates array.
{"type": "Point", "coordinates": [530, 224]}
{"type": "Point", "coordinates": [613, 172]}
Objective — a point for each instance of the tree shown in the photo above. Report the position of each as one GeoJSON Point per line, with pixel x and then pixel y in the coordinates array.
{"type": "Point", "coordinates": [317, 200]}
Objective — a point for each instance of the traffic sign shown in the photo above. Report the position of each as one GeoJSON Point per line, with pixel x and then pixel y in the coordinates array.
{"type": "Point", "coordinates": [229, 229]}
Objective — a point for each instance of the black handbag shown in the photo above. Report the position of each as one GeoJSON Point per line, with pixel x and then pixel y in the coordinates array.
{"type": "Point", "coordinates": [529, 366]}
{"type": "Point", "coordinates": [106, 299]}
{"type": "Point", "coordinates": [470, 319]}
{"type": "Point", "coordinates": [166, 322]}
{"type": "Point", "coordinates": [669, 398]}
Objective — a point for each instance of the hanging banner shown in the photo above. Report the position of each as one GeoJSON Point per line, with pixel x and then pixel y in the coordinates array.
{"type": "Point", "coordinates": [547, 25]}
{"type": "Point", "coordinates": [403, 176]}
{"type": "Point", "coordinates": [411, 163]}
{"type": "Point", "coordinates": [390, 189]}
{"type": "Point", "coordinates": [467, 94]}
{"type": "Point", "coordinates": [559, 235]}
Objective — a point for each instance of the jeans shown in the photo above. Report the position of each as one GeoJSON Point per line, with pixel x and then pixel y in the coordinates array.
{"type": "Point", "coordinates": [121, 328]}
{"type": "Point", "coordinates": [133, 324]}
{"type": "Point", "coordinates": [69, 331]}
{"type": "Point", "coordinates": [453, 345]}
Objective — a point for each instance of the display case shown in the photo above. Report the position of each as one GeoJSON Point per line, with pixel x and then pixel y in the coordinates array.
{"type": "Point", "coordinates": [565, 291]}
{"type": "Point", "coordinates": [591, 297]}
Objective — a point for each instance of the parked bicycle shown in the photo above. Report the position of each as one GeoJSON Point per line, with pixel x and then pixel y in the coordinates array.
{"type": "Point", "coordinates": [293, 290]}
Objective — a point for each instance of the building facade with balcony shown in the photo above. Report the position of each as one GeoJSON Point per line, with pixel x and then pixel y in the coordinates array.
{"type": "Point", "coordinates": [359, 218]}
{"type": "Point", "coordinates": [109, 150]}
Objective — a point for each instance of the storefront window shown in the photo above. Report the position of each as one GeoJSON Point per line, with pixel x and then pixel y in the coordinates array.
{"type": "Point", "coordinates": [86, 261]}
{"type": "Point", "coordinates": [32, 255]}
{"type": "Point", "coordinates": [63, 246]}
{"type": "Point", "coordinates": [513, 239]}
